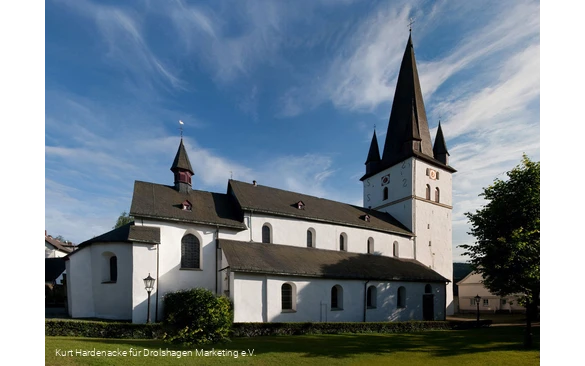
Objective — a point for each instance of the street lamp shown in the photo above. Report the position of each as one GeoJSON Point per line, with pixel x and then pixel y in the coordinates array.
{"type": "Point", "coordinates": [477, 299]}
{"type": "Point", "coordinates": [148, 285]}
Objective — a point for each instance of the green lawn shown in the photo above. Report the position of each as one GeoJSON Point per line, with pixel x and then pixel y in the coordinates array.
{"type": "Point", "coordinates": [488, 346]}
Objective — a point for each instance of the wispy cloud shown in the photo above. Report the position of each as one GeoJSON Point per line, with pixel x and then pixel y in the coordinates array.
{"type": "Point", "coordinates": [127, 48]}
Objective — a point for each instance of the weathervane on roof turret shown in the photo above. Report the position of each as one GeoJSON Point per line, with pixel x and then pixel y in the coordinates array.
{"type": "Point", "coordinates": [181, 123]}
{"type": "Point", "coordinates": [410, 24]}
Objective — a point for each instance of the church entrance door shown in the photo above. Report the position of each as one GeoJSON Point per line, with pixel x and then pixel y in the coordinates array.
{"type": "Point", "coordinates": [428, 307]}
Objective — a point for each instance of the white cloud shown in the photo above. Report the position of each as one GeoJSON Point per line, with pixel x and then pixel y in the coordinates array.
{"type": "Point", "coordinates": [127, 48]}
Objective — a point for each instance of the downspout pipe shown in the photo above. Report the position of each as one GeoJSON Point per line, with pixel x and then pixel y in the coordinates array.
{"type": "Point", "coordinates": [216, 259]}
{"type": "Point", "coordinates": [157, 282]}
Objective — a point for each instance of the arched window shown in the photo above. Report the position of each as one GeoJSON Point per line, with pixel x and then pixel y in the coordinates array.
{"type": "Point", "coordinates": [113, 268]}
{"type": "Point", "coordinates": [266, 234]}
{"type": "Point", "coordinates": [370, 245]}
{"type": "Point", "coordinates": [371, 297]}
{"type": "Point", "coordinates": [311, 238]}
{"type": "Point", "coordinates": [395, 249]}
{"type": "Point", "coordinates": [437, 194]}
{"type": "Point", "coordinates": [428, 196]}
{"type": "Point", "coordinates": [343, 242]}
{"type": "Point", "coordinates": [401, 297]}
{"type": "Point", "coordinates": [288, 297]}
{"type": "Point", "coordinates": [337, 298]}
{"type": "Point", "coordinates": [109, 267]}
{"type": "Point", "coordinates": [385, 193]}
{"type": "Point", "coordinates": [428, 289]}
{"type": "Point", "coordinates": [190, 252]}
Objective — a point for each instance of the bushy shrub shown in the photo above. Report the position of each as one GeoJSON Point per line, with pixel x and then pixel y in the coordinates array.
{"type": "Point", "coordinates": [197, 316]}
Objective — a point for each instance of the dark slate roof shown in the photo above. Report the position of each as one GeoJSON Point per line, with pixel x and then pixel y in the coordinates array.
{"type": "Point", "coordinates": [129, 233]}
{"type": "Point", "coordinates": [158, 201]}
{"type": "Point", "coordinates": [283, 203]}
{"type": "Point", "coordinates": [181, 159]}
{"type": "Point", "coordinates": [59, 245]}
{"type": "Point", "coordinates": [408, 120]}
{"type": "Point", "coordinates": [440, 145]}
{"type": "Point", "coordinates": [374, 153]}
{"type": "Point", "coordinates": [53, 268]}
{"type": "Point", "coordinates": [310, 262]}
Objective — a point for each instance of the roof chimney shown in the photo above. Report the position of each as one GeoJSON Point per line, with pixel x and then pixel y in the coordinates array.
{"type": "Point", "coordinates": [254, 183]}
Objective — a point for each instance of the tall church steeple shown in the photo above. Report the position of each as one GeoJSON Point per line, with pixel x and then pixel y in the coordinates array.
{"type": "Point", "coordinates": [182, 169]}
{"type": "Point", "coordinates": [408, 130]}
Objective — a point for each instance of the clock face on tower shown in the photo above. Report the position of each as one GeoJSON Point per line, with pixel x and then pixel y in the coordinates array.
{"type": "Point", "coordinates": [386, 179]}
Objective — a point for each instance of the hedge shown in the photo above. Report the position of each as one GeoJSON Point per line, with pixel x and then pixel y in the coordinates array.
{"type": "Point", "coordinates": [102, 329]}
{"type": "Point", "coordinates": [265, 329]}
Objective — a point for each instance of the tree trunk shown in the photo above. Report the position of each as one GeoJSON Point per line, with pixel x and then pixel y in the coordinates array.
{"type": "Point", "coordinates": [528, 333]}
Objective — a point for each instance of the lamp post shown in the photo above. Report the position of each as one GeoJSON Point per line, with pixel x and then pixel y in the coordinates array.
{"type": "Point", "coordinates": [477, 299]}
{"type": "Point", "coordinates": [148, 285]}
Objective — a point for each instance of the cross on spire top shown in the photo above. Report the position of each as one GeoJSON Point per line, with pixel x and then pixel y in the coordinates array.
{"type": "Point", "coordinates": [410, 24]}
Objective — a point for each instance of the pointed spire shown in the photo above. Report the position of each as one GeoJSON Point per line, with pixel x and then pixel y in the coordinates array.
{"type": "Point", "coordinates": [182, 169]}
{"type": "Point", "coordinates": [373, 160]}
{"type": "Point", "coordinates": [440, 149]}
{"type": "Point", "coordinates": [182, 159]}
{"type": "Point", "coordinates": [408, 130]}
{"type": "Point", "coordinates": [374, 153]}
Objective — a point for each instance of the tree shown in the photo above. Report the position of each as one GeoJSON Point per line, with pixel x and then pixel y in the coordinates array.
{"type": "Point", "coordinates": [507, 232]}
{"type": "Point", "coordinates": [62, 239]}
{"type": "Point", "coordinates": [124, 219]}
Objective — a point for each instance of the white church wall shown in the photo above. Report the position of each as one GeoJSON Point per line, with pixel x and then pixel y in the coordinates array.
{"type": "Point", "coordinates": [80, 297]}
{"type": "Point", "coordinates": [144, 256]}
{"type": "Point", "coordinates": [171, 276]}
{"type": "Point", "coordinates": [258, 299]}
{"type": "Point", "coordinates": [400, 189]}
{"type": "Point", "coordinates": [112, 300]}
{"type": "Point", "coordinates": [433, 224]}
{"type": "Point", "coordinates": [291, 231]}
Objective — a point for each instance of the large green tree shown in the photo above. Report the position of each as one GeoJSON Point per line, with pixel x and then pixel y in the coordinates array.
{"type": "Point", "coordinates": [507, 234]}
{"type": "Point", "coordinates": [123, 219]}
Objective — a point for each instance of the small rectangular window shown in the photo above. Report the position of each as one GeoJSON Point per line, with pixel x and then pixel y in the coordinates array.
{"type": "Point", "coordinates": [486, 302]}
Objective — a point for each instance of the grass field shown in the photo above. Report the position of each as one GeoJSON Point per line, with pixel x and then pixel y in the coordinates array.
{"type": "Point", "coordinates": [488, 346]}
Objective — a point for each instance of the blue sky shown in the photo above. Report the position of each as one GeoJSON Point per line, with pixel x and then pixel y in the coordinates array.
{"type": "Point", "coordinates": [283, 92]}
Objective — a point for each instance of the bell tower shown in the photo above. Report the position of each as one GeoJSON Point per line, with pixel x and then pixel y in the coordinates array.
{"type": "Point", "coordinates": [412, 180]}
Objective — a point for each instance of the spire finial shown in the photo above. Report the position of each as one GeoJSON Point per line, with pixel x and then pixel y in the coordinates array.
{"type": "Point", "coordinates": [410, 24]}
{"type": "Point", "coordinates": [374, 128]}
{"type": "Point", "coordinates": [181, 123]}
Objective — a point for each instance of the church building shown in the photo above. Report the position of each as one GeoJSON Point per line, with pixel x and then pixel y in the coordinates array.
{"type": "Point", "coordinates": [283, 256]}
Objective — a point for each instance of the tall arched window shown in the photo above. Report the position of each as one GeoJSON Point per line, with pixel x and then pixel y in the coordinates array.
{"type": "Point", "coordinates": [343, 242]}
{"type": "Point", "coordinates": [437, 194]}
{"type": "Point", "coordinates": [370, 245]}
{"type": "Point", "coordinates": [311, 238]}
{"type": "Point", "coordinates": [337, 298]}
{"type": "Point", "coordinates": [385, 193]}
{"type": "Point", "coordinates": [109, 264]}
{"type": "Point", "coordinates": [428, 289]}
{"type": "Point", "coordinates": [190, 252]}
{"type": "Point", "coordinates": [288, 297]}
{"type": "Point", "coordinates": [428, 196]}
{"type": "Point", "coordinates": [401, 297]}
{"type": "Point", "coordinates": [395, 249]}
{"type": "Point", "coordinates": [371, 297]}
{"type": "Point", "coordinates": [113, 268]}
{"type": "Point", "coordinates": [266, 234]}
